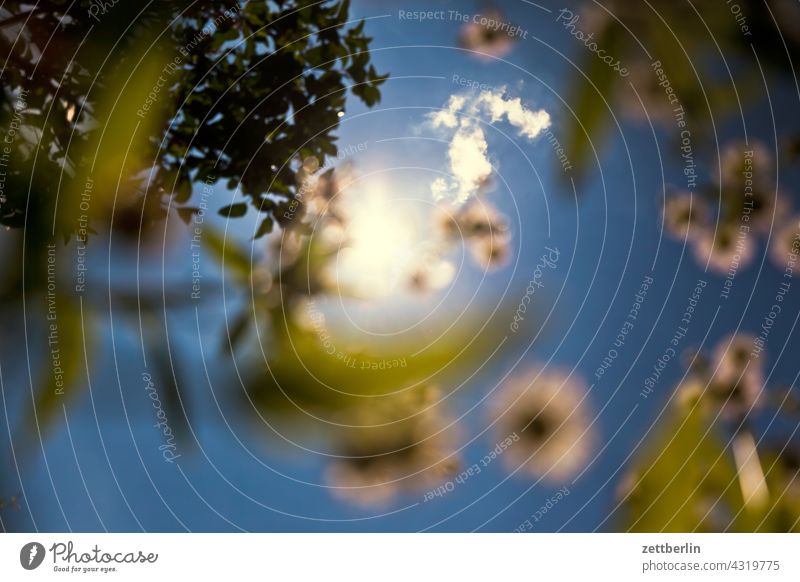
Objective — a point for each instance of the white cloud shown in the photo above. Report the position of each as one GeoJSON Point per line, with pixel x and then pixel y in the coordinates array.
{"type": "Point", "coordinates": [469, 161]}
{"type": "Point", "coordinates": [468, 150]}
{"type": "Point", "coordinates": [439, 188]}
{"type": "Point", "coordinates": [530, 123]}
{"type": "Point", "coordinates": [447, 117]}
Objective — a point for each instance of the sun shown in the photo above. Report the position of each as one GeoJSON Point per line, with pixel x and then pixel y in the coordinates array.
{"type": "Point", "coordinates": [381, 235]}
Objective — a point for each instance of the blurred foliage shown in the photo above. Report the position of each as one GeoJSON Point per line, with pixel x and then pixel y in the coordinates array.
{"type": "Point", "coordinates": [300, 372]}
{"type": "Point", "coordinates": [247, 94]}
{"type": "Point", "coordinates": [703, 52]}
{"type": "Point", "coordinates": [681, 478]}
{"type": "Point", "coordinates": [231, 82]}
{"type": "Point", "coordinates": [111, 113]}
{"type": "Point", "coordinates": [689, 482]}
{"type": "Point", "coordinates": [74, 334]}
{"type": "Point", "coordinates": [301, 362]}
{"type": "Point", "coordinates": [719, 67]}
{"type": "Point", "coordinates": [704, 470]}
{"type": "Point", "coordinates": [380, 408]}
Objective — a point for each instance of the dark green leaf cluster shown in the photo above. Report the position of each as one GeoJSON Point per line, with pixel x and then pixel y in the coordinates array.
{"type": "Point", "coordinates": [246, 90]}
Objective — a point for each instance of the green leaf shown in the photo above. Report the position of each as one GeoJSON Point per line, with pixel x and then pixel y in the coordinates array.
{"type": "Point", "coordinates": [184, 190]}
{"type": "Point", "coordinates": [304, 362]}
{"type": "Point", "coordinates": [186, 213]}
{"type": "Point", "coordinates": [234, 210]}
{"type": "Point", "coordinates": [590, 114]}
{"type": "Point", "coordinates": [264, 228]}
{"type": "Point", "coordinates": [63, 359]}
{"type": "Point", "coordinates": [686, 481]}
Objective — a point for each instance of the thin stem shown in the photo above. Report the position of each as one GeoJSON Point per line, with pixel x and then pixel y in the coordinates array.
{"type": "Point", "coordinates": [751, 476]}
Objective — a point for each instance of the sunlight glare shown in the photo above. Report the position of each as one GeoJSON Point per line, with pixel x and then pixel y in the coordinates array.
{"type": "Point", "coordinates": [380, 237]}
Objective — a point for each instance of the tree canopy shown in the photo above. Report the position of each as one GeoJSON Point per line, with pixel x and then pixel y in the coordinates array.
{"type": "Point", "coordinates": [147, 99]}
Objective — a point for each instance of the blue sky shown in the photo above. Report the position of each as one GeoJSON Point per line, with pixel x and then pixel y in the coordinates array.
{"type": "Point", "coordinates": [609, 237]}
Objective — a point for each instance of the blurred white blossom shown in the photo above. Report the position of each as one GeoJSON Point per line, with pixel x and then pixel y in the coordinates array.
{"type": "Point", "coordinates": [548, 410]}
